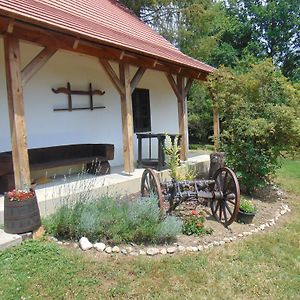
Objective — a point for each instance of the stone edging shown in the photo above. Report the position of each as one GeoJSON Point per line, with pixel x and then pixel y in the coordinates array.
{"type": "Point", "coordinates": [85, 244]}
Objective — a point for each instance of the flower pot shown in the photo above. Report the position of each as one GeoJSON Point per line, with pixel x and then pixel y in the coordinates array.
{"type": "Point", "coordinates": [21, 216]}
{"type": "Point", "coordinates": [244, 217]}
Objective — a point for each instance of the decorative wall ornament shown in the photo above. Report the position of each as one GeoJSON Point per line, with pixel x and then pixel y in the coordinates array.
{"type": "Point", "coordinates": [68, 91]}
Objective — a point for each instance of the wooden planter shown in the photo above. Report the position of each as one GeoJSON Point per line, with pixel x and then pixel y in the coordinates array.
{"type": "Point", "coordinates": [244, 217]}
{"type": "Point", "coordinates": [21, 216]}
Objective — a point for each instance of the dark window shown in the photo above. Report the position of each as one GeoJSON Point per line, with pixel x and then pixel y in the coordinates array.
{"type": "Point", "coordinates": [141, 110]}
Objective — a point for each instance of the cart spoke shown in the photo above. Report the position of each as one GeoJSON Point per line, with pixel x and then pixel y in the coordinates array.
{"type": "Point", "coordinates": [225, 182]}
{"type": "Point", "coordinates": [231, 201]}
{"type": "Point", "coordinates": [216, 207]}
{"type": "Point", "coordinates": [228, 208]}
{"type": "Point", "coordinates": [224, 212]}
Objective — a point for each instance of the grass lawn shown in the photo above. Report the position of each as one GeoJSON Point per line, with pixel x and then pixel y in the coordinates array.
{"type": "Point", "coordinates": [264, 266]}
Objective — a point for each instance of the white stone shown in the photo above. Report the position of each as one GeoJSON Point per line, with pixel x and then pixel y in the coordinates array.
{"type": "Point", "coordinates": [256, 230]}
{"type": "Point", "coordinates": [163, 251]}
{"type": "Point", "coordinates": [262, 227]}
{"type": "Point", "coordinates": [246, 233]}
{"type": "Point", "coordinates": [85, 244]}
{"type": "Point", "coordinates": [189, 248]}
{"type": "Point", "coordinates": [171, 250]}
{"type": "Point", "coordinates": [282, 212]}
{"type": "Point", "coordinates": [194, 249]}
{"type": "Point", "coordinates": [124, 251]}
{"type": "Point", "coordinates": [129, 249]}
{"type": "Point", "coordinates": [100, 247]}
{"type": "Point", "coordinates": [108, 250]}
{"type": "Point", "coordinates": [240, 235]}
{"type": "Point", "coordinates": [267, 225]}
{"type": "Point", "coordinates": [226, 240]}
{"type": "Point", "coordinates": [59, 243]}
{"type": "Point", "coordinates": [216, 243]}
{"type": "Point", "coordinates": [133, 253]}
{"type": "Point", "coordinates": [200, 248]}
{"type": "Point", "coordinates": [142, 252]}
{"type": "Point", "coordinates": [115, 249]}
{"type": "Point", "coordinates": [181, 248]}
{"type": "Point", "coordinates": [210, 245]}
{"type": "Point", "coordinates": [222, 243]}
{"type": "Point", "coordinates": [205, 247]}
{"type": "Point", "coordinates": [152, 251]}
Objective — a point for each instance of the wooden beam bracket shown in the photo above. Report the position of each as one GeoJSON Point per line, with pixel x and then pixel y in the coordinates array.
{"type": "Point", "coordinates": [36, 64]}
{"type": "Point", "coordinates": [113, 76]}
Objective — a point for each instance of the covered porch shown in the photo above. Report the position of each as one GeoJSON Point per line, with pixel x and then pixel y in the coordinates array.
{"type": "Point", "coordinates": [35, 50]}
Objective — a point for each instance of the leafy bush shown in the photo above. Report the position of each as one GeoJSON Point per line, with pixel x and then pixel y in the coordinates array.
{"type": "Point", "coordinates": [194, 224]}
{"type": "Point", "coordinates": [113, 221]}
{"type": "Point", "coordinates": [247, 206]}
{"type": "Point", "coordinates": [260, 119]}
{"type": "Point", "coordinates": [172, 151]}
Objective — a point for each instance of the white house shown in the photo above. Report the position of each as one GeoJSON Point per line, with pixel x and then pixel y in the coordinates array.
{"type": "Point", "coordinates": [45, 45]}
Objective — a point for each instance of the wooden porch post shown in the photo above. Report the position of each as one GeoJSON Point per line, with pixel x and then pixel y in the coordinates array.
{"type": "Point", "coordinates": [16, 113]}
{"type": "Point", "coordinates": [127, 118]}
{"type": "Point", "coordinates": [181, 90]}
{"type": "Point", "coordinates": [125, 87]}
{"type": "Point", "coordinates": [182, 118]}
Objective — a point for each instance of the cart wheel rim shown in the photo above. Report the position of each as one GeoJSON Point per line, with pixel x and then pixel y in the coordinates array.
{"type": "Point", "coordinates": [150, 186]}
{"type": "Point", "coordinates": [226, 209]}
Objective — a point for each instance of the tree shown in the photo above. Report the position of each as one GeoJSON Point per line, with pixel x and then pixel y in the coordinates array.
{"type": "Point", "coordinates": [260, 119]}
{"type": "Point", "coordinates": [266, 28]}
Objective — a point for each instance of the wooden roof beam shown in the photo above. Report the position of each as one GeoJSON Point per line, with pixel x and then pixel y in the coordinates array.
{"type": "Point", "coordinates": [49, 38]}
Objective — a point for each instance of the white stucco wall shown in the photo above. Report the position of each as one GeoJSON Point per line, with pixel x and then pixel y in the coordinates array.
{"type": "Point", "coordinates": [48, 128]}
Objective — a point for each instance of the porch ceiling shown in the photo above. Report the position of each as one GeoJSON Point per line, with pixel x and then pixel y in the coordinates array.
{"type": "Point", "coordinates": [99, 28]}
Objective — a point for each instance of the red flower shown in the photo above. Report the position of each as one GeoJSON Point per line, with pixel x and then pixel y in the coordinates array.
{"type": "Point", "coordinates": [194, 213]}
{"type": "Point", "coordinates": [199, 225]}
{"type": "Point", "coordinates": [20, 195]}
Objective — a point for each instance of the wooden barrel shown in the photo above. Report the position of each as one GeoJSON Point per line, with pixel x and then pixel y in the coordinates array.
{"type": "Point", "coordinates": [21, 216]}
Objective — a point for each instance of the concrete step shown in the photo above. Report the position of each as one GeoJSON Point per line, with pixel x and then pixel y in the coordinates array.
{"type": "Point", "coordinates": [9, 240]}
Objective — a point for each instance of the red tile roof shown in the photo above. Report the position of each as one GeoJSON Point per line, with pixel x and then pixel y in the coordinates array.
{"type": "Point", "coordinates": [105, 21]}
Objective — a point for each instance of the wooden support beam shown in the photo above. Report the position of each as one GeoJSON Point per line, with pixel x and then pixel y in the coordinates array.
{"type": "Point", "coordinates": [16, 113]}
{"type": "Point", "coordinates": [36, 64]}
{"type": "Point", "coordinates": [136, 78]}
{"type": "Point", "coordinates": [113, 76]}
{"type": "Point", "coordinates": [216, 128]}
{"type": "Point", "coordinates": [182, 117]}
{"type": "Point", "coordinates": [10, 27]}
{"type": "Point", "coordinates": [127, 119]}
{"type": "Point", "coordinates": [181, 92]}
{"type": "Point", "coordinates": [173, 85]}
{"type": "Point", "coordinates": [188, 87]}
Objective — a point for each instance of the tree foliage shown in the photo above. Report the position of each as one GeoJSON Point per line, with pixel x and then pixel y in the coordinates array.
{"type": "Point", "coordinates": [260, 112]}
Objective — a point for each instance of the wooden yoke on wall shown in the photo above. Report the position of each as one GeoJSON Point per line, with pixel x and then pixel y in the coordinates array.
{"type": "Point", "coordinates": [181, 92]}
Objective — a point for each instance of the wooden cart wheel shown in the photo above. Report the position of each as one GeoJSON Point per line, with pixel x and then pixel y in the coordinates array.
{"type": "Point", "coordinates": [226, 201]}
{"type": "Point", "coordinates": [150, 187]}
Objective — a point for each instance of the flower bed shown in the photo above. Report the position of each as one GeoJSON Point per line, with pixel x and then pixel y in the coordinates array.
{"type": "Point", "coordinates": [112, 221]}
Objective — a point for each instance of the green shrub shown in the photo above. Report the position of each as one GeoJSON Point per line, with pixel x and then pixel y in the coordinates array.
{"type": "Point", "coordinates": [113, 221]}
{"type": "Point", "coordinates": [260, 119]}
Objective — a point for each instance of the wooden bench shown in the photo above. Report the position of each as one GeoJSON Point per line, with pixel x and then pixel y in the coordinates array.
{"type": "Point", "coordinates": [94, 156]}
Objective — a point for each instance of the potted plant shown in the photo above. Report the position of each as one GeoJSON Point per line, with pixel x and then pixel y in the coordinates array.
{"type": "Point", "coordinates": [247, 211]}
{"type": "Point", "coordinates": [21, 211]}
